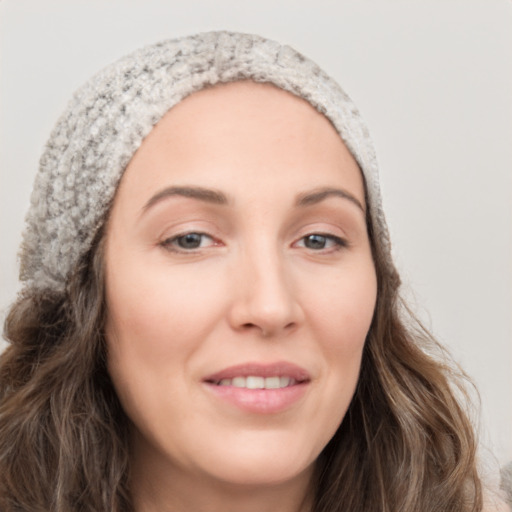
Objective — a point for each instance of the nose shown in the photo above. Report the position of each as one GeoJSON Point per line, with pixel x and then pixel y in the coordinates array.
{"type": "Point", "coordinates": [265, 299]}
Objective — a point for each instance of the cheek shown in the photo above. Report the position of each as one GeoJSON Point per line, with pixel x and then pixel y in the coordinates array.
{"type": "Point", "coordinates": [340, 311]}
{"type": "Point", "coordinates": [158, 319]}
{"type": "Point", "coordinates": [343, 307]}
{"type": "Point", "coordinates": [341, 314]}
{"type": "Point", "coordinates": [154, 327]}
{"type": "Point", "coordinates": [158, 312]}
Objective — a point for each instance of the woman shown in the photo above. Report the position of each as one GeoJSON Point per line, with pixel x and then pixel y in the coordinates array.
{"type": "Point", "coordinates": [211, 318]}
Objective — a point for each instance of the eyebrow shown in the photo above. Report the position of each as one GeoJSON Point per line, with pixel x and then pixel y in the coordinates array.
{"type": "Point", "coordinates": [319, 195]}
{"type": "Point", "coordinates": [216, 197]}
{"type": "Point", "coordinates": [202, 194]}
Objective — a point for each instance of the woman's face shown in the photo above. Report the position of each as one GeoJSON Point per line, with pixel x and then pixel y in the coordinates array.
{"type": "Point", "coordinates": [240, 287]}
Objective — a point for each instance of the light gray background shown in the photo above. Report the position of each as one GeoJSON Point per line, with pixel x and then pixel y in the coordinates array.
{"type": "Point", "coordinates": [433, 80]}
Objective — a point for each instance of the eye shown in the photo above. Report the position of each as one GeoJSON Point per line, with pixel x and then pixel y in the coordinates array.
{"type": "Point", "coordinates": [188, 242]}
{"type": "Point", "coordinates": [318, 242]}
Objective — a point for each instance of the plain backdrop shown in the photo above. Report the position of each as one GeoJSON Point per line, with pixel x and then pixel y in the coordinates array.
{"type": "Point", "coordinates": [433, 80]}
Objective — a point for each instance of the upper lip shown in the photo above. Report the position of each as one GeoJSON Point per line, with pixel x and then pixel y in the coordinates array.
{"type": "Point", "coordinates": [277, 369]}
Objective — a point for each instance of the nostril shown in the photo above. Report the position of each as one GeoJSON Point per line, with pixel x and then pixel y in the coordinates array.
{"type": "Point", "coordinates": [267, 331]}
{"type": "Point", "coordinates": [264, 332]}
{"type": "Point", "coordinates": [254, 327]}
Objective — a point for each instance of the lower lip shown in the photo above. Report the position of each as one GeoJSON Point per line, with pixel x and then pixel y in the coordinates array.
{"type": "Point", "coordinates": [260, 401]}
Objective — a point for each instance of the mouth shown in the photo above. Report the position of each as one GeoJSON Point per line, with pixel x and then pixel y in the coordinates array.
{"type": "Point", "coordinates": [260, 388]}
{"type": "Point", "coordinates": [257, 382]}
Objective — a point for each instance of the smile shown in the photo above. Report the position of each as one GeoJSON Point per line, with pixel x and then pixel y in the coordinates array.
{"type": "Point", "coordinates": [256, 382]}
{"type": "Point", "coordinates": [260, 388]}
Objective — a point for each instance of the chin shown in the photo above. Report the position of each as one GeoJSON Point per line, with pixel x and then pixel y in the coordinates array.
{"type": "Point", "coordinates": [260, 461]}
{"type": "Point", "coordinates": [260, 474]}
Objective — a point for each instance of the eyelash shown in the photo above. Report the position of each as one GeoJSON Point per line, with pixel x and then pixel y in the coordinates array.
{"type": "Point", "coordinates": [337, 242]}
{"type": "Point", "coordinates": [173, 243]}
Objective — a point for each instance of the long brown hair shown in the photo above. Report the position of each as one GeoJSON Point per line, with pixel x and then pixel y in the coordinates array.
{"type": "Point", "coordinates": [406, 443]}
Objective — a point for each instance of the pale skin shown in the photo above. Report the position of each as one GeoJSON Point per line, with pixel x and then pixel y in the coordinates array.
{"type": "Point", "coordinates": [237, 239]}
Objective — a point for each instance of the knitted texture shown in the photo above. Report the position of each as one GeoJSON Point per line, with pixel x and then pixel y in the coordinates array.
{"type": "Point", "coordinates": [109, 117]}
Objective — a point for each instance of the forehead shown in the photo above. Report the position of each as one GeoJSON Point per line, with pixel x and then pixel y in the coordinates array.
{"type": "Point", "coordinates": [244, 95]}
{"type": "Point", "coordinates": [237, 132]}
{"type": "Point", "coordinates": [250, 105]}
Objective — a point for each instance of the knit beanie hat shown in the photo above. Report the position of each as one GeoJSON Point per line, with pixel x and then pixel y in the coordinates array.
{"type": "Point", "coordinates": [109, 117]}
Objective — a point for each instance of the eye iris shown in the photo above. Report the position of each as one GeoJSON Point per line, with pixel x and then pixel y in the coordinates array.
{"type": "Point", "coordinates": [315, 242]}
{"type": "Point", "coordinates": [190, 241]}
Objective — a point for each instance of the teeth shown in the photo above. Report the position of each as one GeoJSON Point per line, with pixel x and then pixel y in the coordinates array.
{"type": "Point", "coordinates": [284, 382]}
{"type": "Point", "coordinates": [256, 382]}
{"type": "Point", "coordinates": [238, 382]}
{"type": "Point", "coordinates": [273, 383]}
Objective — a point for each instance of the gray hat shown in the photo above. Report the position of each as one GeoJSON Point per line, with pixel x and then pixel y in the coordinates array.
{"type": "Point", "coordinates": [108, 118]}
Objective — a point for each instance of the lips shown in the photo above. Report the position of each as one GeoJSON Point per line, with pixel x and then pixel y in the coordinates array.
{"type": "Point", "coordinates": [279, 369]}
{"type": "Point", "coordinates": [259, 388]}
